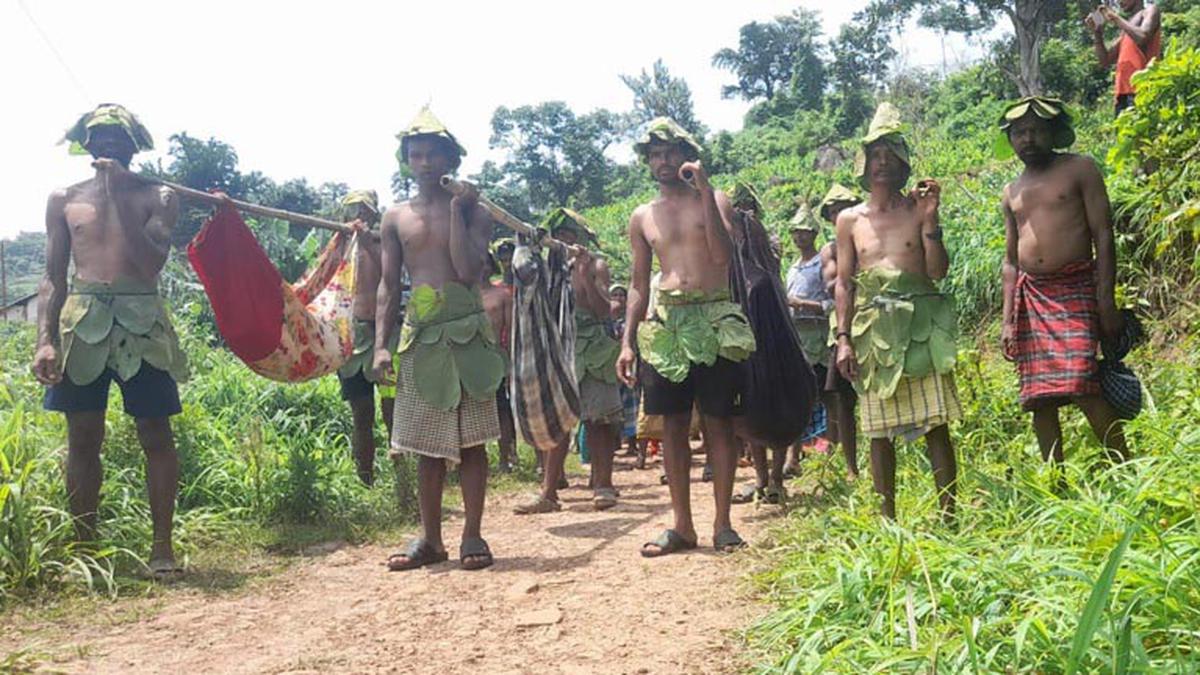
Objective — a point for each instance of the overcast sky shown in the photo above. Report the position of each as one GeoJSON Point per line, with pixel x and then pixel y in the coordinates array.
{"type": "Point", "coordinates": [318, 90]}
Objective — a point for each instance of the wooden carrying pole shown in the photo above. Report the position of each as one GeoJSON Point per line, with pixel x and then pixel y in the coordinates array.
{"type": "Point", "coordinates": [504, 217]}
{"type": "Point", "coordinates": [265, 211]}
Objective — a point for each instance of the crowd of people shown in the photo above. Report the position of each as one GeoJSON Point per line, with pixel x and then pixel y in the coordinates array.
{"type": "Point", "coordinates": [658, 359]}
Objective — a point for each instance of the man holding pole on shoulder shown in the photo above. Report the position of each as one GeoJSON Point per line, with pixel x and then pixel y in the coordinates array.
{"type": "Point", "coordinates": [450, 364]}
{"type": "Point", "coordinates": [109, 323]}
{"type": "Point", "coordinates": [361, 207]}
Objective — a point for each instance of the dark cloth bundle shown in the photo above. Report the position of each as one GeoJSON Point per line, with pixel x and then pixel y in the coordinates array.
{"type": "Point", "coordinates": [780, 387]}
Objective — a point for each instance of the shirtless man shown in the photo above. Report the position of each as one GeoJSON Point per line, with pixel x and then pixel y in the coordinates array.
{"type": "Point", "coordinates": [687, 228]}
{"type": "Point", "coordinates": [116, 228]}
{"type": "Point", "coordinates": [601, 409]}
{"type": "Point", "coordinates": [1059, 275]}
{"type": "Point", "coordinates": [355, 377]}
{"type": "Point", "coordinates": [498, 304]}
{"type": "Point", "coordinates": [450, 363]}
{"type": "Point", "coordinates": [842, 423]}
{"type": "Point", "coordinates": [889, 252]}
{"type": "Point", "coordinates": [1140, 41]}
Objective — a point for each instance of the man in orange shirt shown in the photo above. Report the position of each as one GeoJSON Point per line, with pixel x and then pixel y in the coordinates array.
{"type": "Point", "coordinates": [1140, 41]}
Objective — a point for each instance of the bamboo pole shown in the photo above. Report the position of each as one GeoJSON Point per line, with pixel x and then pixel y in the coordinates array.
{"type": "Point", "coordinates": [256, 209]}
{"type": "Point", "coordinates": [505, 218]}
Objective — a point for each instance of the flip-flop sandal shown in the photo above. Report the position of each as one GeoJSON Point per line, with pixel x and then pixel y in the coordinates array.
{"type": "Point", "coordinates": [539, 505]}
{"type": "Point", "coordinates": [418, 554]}
{"type": "Point", "coordinates": [775, 496]}
{"type": "Point", "coordinates": [668, 542]}
{"type": "Point", "coordinates": [748, 494]}
{"type": "Point", "coordinates": [477, 550]}
{"type": "Point", "coordinates": [706, 475]}
{"type": "Point", "coordinates": [663, 480]}
{"type": "Point", "coordinates": [728, 541]}
{"type": "Point", "coordinates": [165, 570]}
{"type": "Point", "coordinates": [604, 498]}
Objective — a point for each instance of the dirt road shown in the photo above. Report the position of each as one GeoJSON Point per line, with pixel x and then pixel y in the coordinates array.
{"type": "Point", "coordinates": [568, 594]}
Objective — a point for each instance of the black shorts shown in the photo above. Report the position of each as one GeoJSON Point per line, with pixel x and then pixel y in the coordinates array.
{"type": "Point", "coordinates": [716, 390]}
{"type": "Point", "coordinates": [356, 386]}
{"type": "Point", "coordinates": [150, 394]}
{"type": "Point", "coordinates": [1123, 101]}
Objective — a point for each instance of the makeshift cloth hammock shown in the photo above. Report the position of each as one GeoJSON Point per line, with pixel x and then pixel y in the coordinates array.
{"type": "Point", "coordinates": [284, 332]}
{"type": "Point", "coordinates": [543, 388]}
{"type": "Point", "coordinates": [780, 385]}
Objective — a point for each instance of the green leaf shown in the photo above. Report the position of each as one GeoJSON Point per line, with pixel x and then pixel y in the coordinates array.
{"type": "Point", "coordinates": [1097, 602]}
{"type": "Point", "coordinates": [95, 322]}
{"type": "Point", "coordinates": [436, 377]}
{"type": "Point", "coordinates": [425, 302]}
{"type": "Point", "coordinates": [480, 369]}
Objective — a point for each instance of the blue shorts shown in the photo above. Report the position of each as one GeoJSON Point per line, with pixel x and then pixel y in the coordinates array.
{"type": "Point", "coordinates": [149, 394]}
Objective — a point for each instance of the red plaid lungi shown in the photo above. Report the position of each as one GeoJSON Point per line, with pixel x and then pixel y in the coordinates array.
{"type": "Point", "coordinates": [1057, 333]}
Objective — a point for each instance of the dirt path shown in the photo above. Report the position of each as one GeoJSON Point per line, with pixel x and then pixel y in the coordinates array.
{"type": "Point", "coordinates": [568, 594]}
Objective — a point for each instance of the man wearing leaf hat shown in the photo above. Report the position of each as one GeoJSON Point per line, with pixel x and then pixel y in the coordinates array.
{"type": "Point", "coordinates": [895, 332]}
{"type": "Point", "coordinates": [691, 347]}
{"type": "Point", "coordinates": [843, 425]}
{"type": "Point", "coordinates": [1059, 273]}
{"type": "Point", "coordinates": [601, 408]}
{"type": "Point", "coordinates": [360, 208]}
{"type": "Point", "coordinates": [108, 322]}
{"type": "Point", "coordinates": [449, 360]}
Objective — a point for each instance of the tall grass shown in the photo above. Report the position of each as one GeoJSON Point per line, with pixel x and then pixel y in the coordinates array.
{"type": "Point", "coordinates": [1102, 578]}
{"type": "Point", "coordinates": [252, 454]}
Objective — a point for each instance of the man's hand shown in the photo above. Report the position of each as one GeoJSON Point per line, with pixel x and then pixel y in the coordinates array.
{"type": "Point", "coordinates": [625, 366]}
{"type": "Point", "coordinates": [381, 367]}
{"type": "Point", "coordinates": [45, 365]}
{"type": "Point", "coordinates": [847, 362]}
{"type": "Point", "coordinates": [467, 197]}
{"type": "Point", "coordinates": [1108, 13]}
{"type": "Point", "coordinates": [1008, 340]}
{"type": "Point", "coordinates": [928, 196]}
{"type": "Point", "coordinates": [694, 174]}
{"type": "Point", "coordinates": [583, 258]}
{"type": "Point", "coordinates": [115, 175]}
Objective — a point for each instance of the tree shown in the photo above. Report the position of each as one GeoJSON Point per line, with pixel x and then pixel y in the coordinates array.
{"type": "Point", "coordinates": [782, 55]}
{"type": "Point", "coordinates": [558, 157]}
{"type": "Point", "coordinates": [658, 94]}
{"type": "Point", "coordinates": [1030, 19]}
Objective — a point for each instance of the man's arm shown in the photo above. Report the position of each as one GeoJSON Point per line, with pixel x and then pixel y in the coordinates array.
{"type": "Point", "coordinates": [937, 261]}
{"type": "Point", "coordinates": [470, 228]}
{"type": "Point", "coordinates": [639, 294]}
{"type": "Point", "coordinates": [601, 279]}
{"type": "Point", "coordinates": [1105, 54]}
{"type": "Point", "coordinates": [1099, 219]}
{"type": "Point", "coordinates": [847, 261]}
{"type": "Point", "coordinates": [391, 288]}
{"type": "Point", "coordinates": [52, 291]}
{"type": "Point", "coordinates": [1009, 273]}
{"type": "Point", "coordinates": [1145, 28]}
{"type": "Point", "coordinates": [718, 214]}
{"type": "Point", "coordinates": [149, 240]}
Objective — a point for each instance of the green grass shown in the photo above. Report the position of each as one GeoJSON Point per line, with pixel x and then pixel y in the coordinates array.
{"type": "Point", "coordinates": [265, 470]}
{"type": "Point", "coordinates": [1102, 578]}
